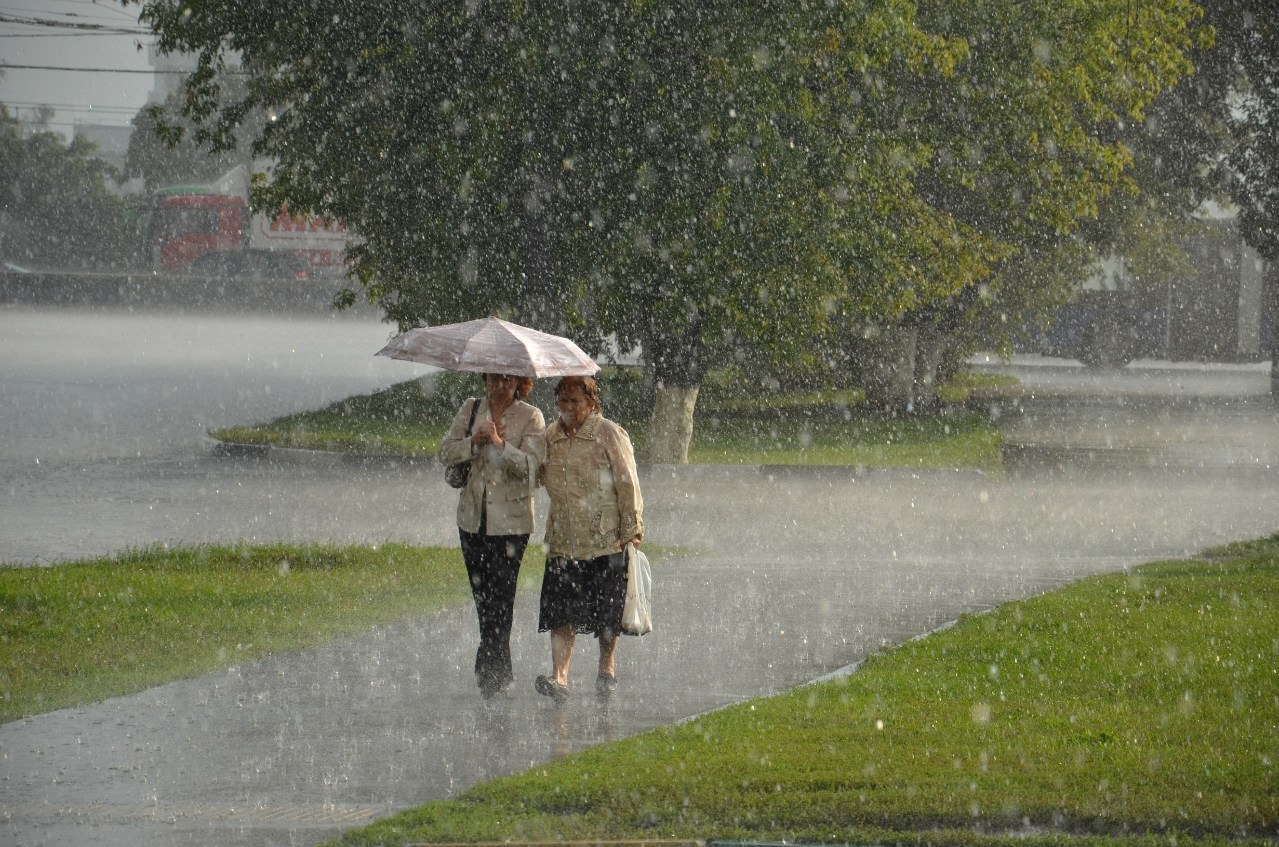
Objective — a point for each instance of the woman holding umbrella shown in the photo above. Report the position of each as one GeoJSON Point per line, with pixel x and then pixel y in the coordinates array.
{"type": "Point", "coordinates": [495, 509]}
{"type": "Point", "coordinates": [500, 435]}
{"type": "Point", "coordinates": [596, 510]}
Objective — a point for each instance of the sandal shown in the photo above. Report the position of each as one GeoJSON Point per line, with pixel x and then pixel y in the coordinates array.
{"type": "Point", "coordinates": [605, 684]}
{"type": "Point", "coordinates": [548, 687]}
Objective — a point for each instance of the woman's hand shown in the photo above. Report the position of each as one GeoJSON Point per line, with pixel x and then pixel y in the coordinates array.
{"type": "Point", "coordinates": [490, 433]}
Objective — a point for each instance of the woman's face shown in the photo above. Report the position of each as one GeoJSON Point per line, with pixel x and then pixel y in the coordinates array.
{"type": "Point", "coordinates": [574, 407]}
{"type": "Point", "coordinates": [500, 388]}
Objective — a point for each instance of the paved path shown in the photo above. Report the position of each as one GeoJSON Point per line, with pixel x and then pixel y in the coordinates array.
{"type": "Point", "coordinates": [799, 575]}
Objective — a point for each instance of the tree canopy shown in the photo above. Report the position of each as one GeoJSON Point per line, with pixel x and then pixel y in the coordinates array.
{"type": "Point", "coordinates": [1210, 137]}
{"type": "Point", "coordinates": [168, 147]}
{"type": "Point", "coordinates": [698, 179]}
{"type": "Point", "coordinates": [55, 207]}
{"type": "Point", "coordinates": [1248, 34]}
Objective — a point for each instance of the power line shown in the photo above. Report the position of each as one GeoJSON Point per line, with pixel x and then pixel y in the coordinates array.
{"type": "Point", "coordinates": [105, 28]}
{"type": "Point", "coordinates": [112, 8]}
{"type": "Point", "coordinates": [67, 107]}
{"type": "Point", "coordinates": [96, 70]}
{"type": "Point", "coordinates": [57, 35]}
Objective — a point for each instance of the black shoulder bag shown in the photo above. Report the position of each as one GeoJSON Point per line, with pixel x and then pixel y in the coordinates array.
{"type": "Point", "coordinates": [457, 475]}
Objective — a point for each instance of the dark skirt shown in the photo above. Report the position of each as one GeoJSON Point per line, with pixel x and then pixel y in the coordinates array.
{"type": "Point", "coordinates": [586, 594]}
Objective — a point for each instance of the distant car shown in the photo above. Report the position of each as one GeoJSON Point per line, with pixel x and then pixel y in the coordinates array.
{"type": "Point", "coordinates": [250, 264]}
{"type": "Point", "coordinates": [1104, 329]}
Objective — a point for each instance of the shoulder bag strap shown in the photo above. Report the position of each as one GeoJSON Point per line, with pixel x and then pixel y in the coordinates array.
{"type": "Point", "coordinates": [475, 407]}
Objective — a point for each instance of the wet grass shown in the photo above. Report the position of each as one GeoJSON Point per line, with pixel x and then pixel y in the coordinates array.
{"type": "Point", "coordinates": [403, 420]}
{"type": "Point", "coordinates": [1129, 709]}
{"type": "Point", "coordinates": [828, 434]}
{"type": "Point", "coordinates": [800, 428]}
{"type": "Point", "coordinates": [80, 632]}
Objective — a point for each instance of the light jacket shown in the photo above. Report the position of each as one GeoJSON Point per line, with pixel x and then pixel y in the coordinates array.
{"type": "Point", "coordinates": [596, 506]}
{"type": "Point", "coordinates": [502, 481]}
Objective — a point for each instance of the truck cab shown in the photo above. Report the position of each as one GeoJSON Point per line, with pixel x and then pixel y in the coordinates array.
{"type": "Point", "coordinates": [185, 226]}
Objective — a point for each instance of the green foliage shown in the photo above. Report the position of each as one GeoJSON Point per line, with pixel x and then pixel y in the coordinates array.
{"type": "Point", "coordinates": [166, 148]}
{"type": "Point", "coordinates": [1036, 139]}
{"type": "Point", "coordinates": [699, 179]}
{"type": "Point", "coordinates": [83, 631]}
{"type": "Point", "coordinates": [1207, 139]}
{"type": "Point", "coordinates": [1139, 706]}
{"type": "Point", "coordinates": [1248, 35]}
{"type": "Point", "coordinates": [55, 207]}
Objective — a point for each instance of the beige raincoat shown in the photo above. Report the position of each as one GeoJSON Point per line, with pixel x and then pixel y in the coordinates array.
{"type": "Point", "coordinates": [596, 506]}
{"type": "Point", "coordinates": [502, 481]}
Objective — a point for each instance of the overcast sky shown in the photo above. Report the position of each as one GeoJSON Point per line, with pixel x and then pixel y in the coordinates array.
{"type": "Point", "coordinates": [98, 37]}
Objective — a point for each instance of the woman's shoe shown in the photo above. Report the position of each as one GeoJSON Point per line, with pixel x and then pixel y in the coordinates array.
{"type": "Point", "coordinates": [548, 687]}
{"type": "Point", "coordinates": [605, 684]}
{"type": "Point", "coordinates": [491, 688]}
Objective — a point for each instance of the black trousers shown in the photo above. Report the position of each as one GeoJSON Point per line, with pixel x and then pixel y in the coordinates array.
{"type": "Point", "coordinates": [493, 565]}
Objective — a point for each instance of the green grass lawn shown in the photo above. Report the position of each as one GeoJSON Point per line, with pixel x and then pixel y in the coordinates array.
{"type": "Point", "coordinates": [808, 428]}
{"type": "Point", "coordinates": [1138, 708]}
{"type": "Point", "coordinates": [83, 631]}
{"type": "Point", "coordinates": [831, 435]}
{"type": "Point", "coordinates": [402, 420]}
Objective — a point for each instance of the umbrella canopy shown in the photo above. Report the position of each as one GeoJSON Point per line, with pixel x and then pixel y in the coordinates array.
{"type": "Point", "coordinates": [491, 345]}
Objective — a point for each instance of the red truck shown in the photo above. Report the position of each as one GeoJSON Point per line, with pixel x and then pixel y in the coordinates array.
{"type": "Point", "coordinates": [186, 222]}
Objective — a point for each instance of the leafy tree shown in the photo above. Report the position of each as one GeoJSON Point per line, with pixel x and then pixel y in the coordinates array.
{"type": "Point", "coordinates": [1209, 138]}
{"type": "Point", "coordinates": [167, 148]}
{"type": "Point", "coordinates": [706, 181]}
{"type": "Point", "coordinates": [1243, 84]}
{"type": "Point", "coordinates": [1249, 33]}
{"type": "Point", "coordinates": [1030, 146]}
{"type": "Point", "coordinates": [55, 207]}
{"type": "Point", "coordinates": [1013, 155]}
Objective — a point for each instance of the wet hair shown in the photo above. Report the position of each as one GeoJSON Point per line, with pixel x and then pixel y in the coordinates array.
{"type": "Point", "coordinates": [590, 390]}
{"type": "Point", "coordinates": [523, 384]}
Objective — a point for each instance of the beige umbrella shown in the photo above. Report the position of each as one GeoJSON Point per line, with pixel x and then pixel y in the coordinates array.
{"type": "Point", "coordinates": [491, 345]}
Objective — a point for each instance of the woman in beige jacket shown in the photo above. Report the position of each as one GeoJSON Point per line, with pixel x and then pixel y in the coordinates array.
{"type": "Point", "coordinates": [595, 510]}
{"type": "Point", "coordinates": [503, 442]}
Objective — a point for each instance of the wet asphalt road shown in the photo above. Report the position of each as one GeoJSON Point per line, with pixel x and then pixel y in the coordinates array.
{"type": "Point", "coordinates": [798, 575]}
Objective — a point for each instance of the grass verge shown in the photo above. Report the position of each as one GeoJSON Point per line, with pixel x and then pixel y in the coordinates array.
{"type": "Point", "coordinates": [84, 631]}
{"type": "Point", "coordinates": [406, 419]}
{"type": "Point", "coordinates": [831, 435]}
{"type": "Point", "coordinates": [1138, 708]}
{"type": "Point", "coordinates": [809, 428]}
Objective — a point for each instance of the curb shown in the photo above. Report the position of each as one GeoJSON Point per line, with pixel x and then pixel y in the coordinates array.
{"type": "Point", "coordinates": [1019, 456]}
{"type": "Point", "coordinates": [855, 472]}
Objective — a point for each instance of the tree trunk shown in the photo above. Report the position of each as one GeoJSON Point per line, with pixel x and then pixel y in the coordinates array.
{"type": "Point", "coordinates": [888, 369]}
{"type": "Point", "coordinates": [675, 355]}
{"type": "Point", "coordinates": [671, 430]}
{"type": "Point", "coordinates": [541, 306]}
{"type": "Point", "coordinates": [1274, 368]}
{"type": "Point", "coordinates": [930, 350]}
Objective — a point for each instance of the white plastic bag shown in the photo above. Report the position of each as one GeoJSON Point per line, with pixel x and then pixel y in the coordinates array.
{"type": "Point", "coordinates": [637, 613]}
